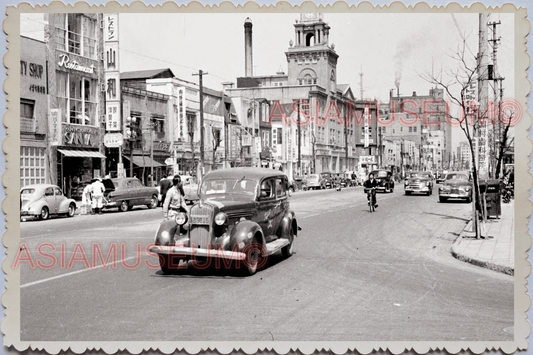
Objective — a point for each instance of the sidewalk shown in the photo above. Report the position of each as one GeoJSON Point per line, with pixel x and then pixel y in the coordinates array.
{"type": "Point", "coordinates": [495, 252]}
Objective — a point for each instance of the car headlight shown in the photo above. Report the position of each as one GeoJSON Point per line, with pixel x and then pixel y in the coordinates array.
{"type": "Point", "coordinates": [220, 218]}
{"type": "Point", "coordinates": [181, 218]}
{"type": "Point", "coordinates": [467, 189]}
{"type": "Point", "coordinates": [427, 183]}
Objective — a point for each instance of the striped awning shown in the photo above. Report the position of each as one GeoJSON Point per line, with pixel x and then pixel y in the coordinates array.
{"type": "Point", "coordinates": [141, 161]}
{"type": "Point", "coordinates": [81, 153]}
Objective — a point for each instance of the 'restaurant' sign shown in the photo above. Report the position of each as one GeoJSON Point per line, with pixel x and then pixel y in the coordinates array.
{"type": "Point", "coordinates": [65, 62]}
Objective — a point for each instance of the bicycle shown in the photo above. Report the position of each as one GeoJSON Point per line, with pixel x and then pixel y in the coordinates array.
{"type": "Point", "coordinates": [371, 196]}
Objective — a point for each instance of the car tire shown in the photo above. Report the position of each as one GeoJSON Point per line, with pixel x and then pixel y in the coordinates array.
{"type": "Point", "coordinates": [45, 214]}
{"type": "Point", "coordinates": [468, 199]}
{"type": "Point", "coordinates": [291, 191]}
{"type": "Point", "coordinates": [71, 210]}
{"type": "Point", "coordinates": [407, 193]}
{"type": "Point", "coordinates": [164, 264]}
{"type": "Point", "coordinates": [252, 258]}
{"type": "Point", "coordinates": [124, 206]}
{"type": "Point", "coordinates": [443, 199]}
{"type": "Point", "coordinates": [153, 202]}
{"type": "Point", "coordinates": [287, 250]}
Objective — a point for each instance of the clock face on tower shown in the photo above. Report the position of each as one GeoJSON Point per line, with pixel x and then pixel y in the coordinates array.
{"type": "Point", "coordinates": [310, 16]}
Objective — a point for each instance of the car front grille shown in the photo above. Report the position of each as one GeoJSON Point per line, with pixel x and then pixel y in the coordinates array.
{"type": "Point", "coordinates": [201, 234]}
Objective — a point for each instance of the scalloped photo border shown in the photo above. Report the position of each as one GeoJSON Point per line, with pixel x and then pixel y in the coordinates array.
{"type": "Point", "coordinates": [10, 325]}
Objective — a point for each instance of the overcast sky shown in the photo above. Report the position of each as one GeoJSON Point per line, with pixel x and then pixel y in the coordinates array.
{"type": "Point", "coordinates": [385, 47]}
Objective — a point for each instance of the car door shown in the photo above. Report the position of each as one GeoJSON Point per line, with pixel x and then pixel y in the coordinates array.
{"type": "Point", "coordinates": [144, 194]}
{"type": "Point", "coordinates": [131, 192]}
{"type": "Point", "coordinates": [50, 199]}
{"type": "Point", "coordinates": [59, 198]}
{"type": "Point", "coordinates": [266, 208]}
{"type": "Point", "coordinates": [138, 192]}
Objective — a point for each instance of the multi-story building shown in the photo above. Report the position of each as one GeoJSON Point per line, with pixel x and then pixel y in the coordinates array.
{"type": "Point", "coordinates": [71, 78]}
{"type": "Point", "coordinates": [306, 108]}
{"type": "Point", "coordinates": [464, 156]}
{"type": "Point", "coordinates": [34, 161]}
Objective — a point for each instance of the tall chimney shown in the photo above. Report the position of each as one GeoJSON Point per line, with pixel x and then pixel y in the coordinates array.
{"type": "Point", "coordinates": [248, 55]}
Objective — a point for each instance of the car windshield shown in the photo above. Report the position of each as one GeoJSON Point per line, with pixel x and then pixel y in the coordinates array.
{"type": "Point", "coordinates": [380, 173]}
{"type": "Point", "coordinates": [456, 177]}
{"type": "Point", "coordinates": [239, 186]}
{"type": "Point", "coordinates": [27, 191]}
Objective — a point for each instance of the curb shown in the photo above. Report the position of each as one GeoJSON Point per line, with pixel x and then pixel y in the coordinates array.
{"type": "Point", "coordinates": [481, 263]}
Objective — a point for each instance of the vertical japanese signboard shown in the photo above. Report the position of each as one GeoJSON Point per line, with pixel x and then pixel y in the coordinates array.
{"type": "Point", "coordinates": [180, 107]}
{"type": "Point", "coordinates": [111, 66]}
{"type": "Point", "coordinates": [54, 128]}
{"type": "Point", "coordinates": [366, 119]}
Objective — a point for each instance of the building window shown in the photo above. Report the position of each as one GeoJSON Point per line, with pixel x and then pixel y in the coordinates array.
{"type": "Point", "coordinates": [158, 124]}
{"type": "Point", "coordinates": [383, 130]}
{"type": "Point", "coordinates": [410, 129]}
{"type": "Point", "coordinates": [32, 166]}
{"type": "Point", "coordinates": [77, 35]}
{"type": "Point", "coordinates": [414, 129]}
{"type": "Point", "coordinates": [77, 98]}
{"type": "Point", "coordinates": [26, 108]}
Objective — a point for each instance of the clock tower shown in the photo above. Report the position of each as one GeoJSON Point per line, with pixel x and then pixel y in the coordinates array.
{"type": "Point", "coordinates": [311, 60]}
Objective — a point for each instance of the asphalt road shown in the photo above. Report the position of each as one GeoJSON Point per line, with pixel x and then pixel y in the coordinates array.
{"type": "Point", "coordinates": [355, 276]}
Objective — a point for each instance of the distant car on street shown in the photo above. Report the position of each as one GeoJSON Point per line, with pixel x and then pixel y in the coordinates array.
{"type": "Point", "coordinates": [125, 193]}
{"type": "Point", "coordinates": [243, 216]}
{"type": "Point", "coordinates": [418, 182]}
{"type": "Point", "coordinates": [190, 187]}
{"type": "Point", "coordinates": [384, 179]}
{"type": "Point", "coordinates": [441, 175]}
{"type": "Point", "coordinates": [319, 181]}
{"type": "Point", "coordinates": [456, 185]}
{"type": "Point", "coordinates": [45, 200]}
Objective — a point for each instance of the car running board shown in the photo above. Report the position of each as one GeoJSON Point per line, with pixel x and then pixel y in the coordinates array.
{"type": "Point", "coordinates": [276, 245]}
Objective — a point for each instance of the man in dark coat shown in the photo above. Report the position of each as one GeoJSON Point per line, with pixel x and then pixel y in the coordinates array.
{"type": "Point", "coordinates": [164, 185]}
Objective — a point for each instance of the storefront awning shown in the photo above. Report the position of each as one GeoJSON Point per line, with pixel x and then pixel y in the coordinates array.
{"type": "Point", "coordinates": [81, 153]}
{"type": "Point", "coordinates": [146, 161]}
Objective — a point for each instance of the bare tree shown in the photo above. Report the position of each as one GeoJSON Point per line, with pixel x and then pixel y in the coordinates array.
{"type": "Point", "coordinates": [468, 117]}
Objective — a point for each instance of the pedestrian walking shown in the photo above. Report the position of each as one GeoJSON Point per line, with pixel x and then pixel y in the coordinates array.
{"type": "Point", "coordinates": [86, 197]}
{"type": "Point", "coordinates": [97, 191]}
{"type": "Point", "coordinates": [164, 185]}
{"type": "Point", "coordinates": [174, 200]}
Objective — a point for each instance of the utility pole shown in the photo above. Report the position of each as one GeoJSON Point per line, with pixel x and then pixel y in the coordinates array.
{"type": "Point", "coordinates": [202, 130]}
{"type": "Point", "coordinates": [497, 91]}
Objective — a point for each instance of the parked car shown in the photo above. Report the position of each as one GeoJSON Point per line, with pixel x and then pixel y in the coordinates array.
{"type": "Point", "coordinates": [125, 193]}
{"type": "Point", "coordinates": [456, 185]}
{"type": "Point", "coordinates": [300, 182]}
{"type": "Point", "coordinates": [45, 200]}
{"type": "Point", "coordinates": [243, 217]}
{"type": "Point", "coordinates": [317, 181]}
{"type": "Point", "coordinates": [190, 186]}
{"type": "Point", "coordinates": [384, 179]}
{"type": "Point", "coordinates": [349, 182]}
{"type": "Point", "coordinates": [418, 182]}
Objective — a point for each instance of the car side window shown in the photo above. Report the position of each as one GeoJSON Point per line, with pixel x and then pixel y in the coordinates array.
{"type": "Point", "coordinates": [266, 189]}
{"type": "Point", "coordinates": [137, 183]}
{"type": "Point", "coordinates": [57, 191]}
{"type": "Point", "coordinates": [49, 191]}
{"type": "Point", "coordinates": [281, 189]}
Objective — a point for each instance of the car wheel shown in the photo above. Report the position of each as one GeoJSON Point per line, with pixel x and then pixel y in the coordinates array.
{"type": "Point", "coordinates": [124, 206]}
{"type": "Point", "coordinates": [166, 266]}
{"type": "Point", "coordinates": [443, 199]}
{"type": "Point", "coordinates": [407, 192]}
{"type": "Point", "coordinates": [153, 202]}
{"type": "Point", "coordinates": [287, 250]}
{"type": "Point", "coordinates": [391, 189]}
{"type": "Point", "coordinates": [44, 213]}
{"type": "Point", "coordinates": [71, 210]}
{"type": "Point", "coordinates": [253, 256]}
{"type": "Point", "coordinates": [468, 199]}
{"type": "Point", "coordinates": [291, 190]}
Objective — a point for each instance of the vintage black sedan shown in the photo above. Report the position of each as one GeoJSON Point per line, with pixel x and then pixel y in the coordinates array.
{"type": "Point", "coordinates": [384, 179]}
{"type": "Point", "coordinates": [242, 217]}
{"type": "Point", "coordinates": [418, 182]}
{"type": "Point", "coordinates": [456, 185]}
{"type": "Point", "coordinates": [125, 193]}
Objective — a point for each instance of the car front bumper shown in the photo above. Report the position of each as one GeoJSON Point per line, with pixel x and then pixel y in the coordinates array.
{"type": "Point", "coordinates": [180, 251]}
{"type": "Point", "coordinates": [454, 194]}
{"type": "Point", "coordinates": [417, 189]}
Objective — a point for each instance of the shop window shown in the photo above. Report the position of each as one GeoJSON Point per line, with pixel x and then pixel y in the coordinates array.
{"type": "Point", "coordinates": [32, 166]}
{"type": "Point", "coordinates": [26, 108]}
{"type": "Point", "coordinates": [77, 35]}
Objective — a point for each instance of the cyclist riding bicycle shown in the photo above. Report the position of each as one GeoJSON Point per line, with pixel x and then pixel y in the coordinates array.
{"type": "Point", "coordinates": [371, 183]}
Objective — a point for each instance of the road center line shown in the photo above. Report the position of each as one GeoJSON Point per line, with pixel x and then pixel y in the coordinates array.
{"type": "Point", "coordinates": [73, 273]}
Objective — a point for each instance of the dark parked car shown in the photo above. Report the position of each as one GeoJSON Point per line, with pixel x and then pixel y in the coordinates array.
{"type": "Point", "coordinates": [327, 179]}
{"type": "Point", "coordinates": [384, 179]}
{"type": "Point", "coordinates": [242, 217]}
{"type": "Point", "coordinates": [418, 182]}
{"type": "Point", "coordinates": [44, 200]}
{"type": "Point", "coordinates": [125, 193]}
{"type": "Point", "coordinates": [456, 185]}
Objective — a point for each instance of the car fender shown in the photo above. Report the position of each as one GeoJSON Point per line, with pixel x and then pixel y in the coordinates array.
{"type": "Point", "coordinates": [63, 207]}
{"type": "Point", "coordinates": [165, 232]}
{"type": "Point", "coordinates": [244, 231]}
{"type": "Point", "coordinates": [288, 222]}
{"type": "Point", "coordinates": [37, 206]}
